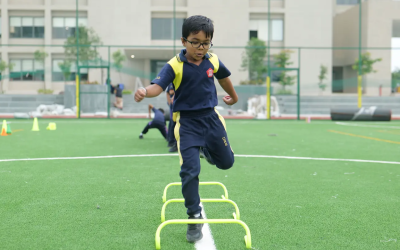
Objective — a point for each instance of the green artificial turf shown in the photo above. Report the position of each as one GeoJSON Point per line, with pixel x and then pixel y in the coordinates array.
{"type": "Point", "coordinates": [115, 203]}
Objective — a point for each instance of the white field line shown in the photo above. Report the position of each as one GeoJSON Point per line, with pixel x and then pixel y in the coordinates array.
{"type": "Point", "coordinates": [207, 243]}
{"type": "Point", "coordinates": [365, 126]}
{"type": "Point", "coordinates": [168, 155]}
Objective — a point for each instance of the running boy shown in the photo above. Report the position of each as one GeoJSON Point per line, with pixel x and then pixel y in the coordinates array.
{"type": "Point", "coordinates": [157, 122]}
{"type": "Point", "coordinates": [199, 128]}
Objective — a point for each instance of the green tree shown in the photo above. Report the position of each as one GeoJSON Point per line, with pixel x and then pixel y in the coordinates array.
{"type": "Point", "coordinates": [282, 60]}
{"type": "Point", "coordinates": [40, 56]}
{"type": "Point", "coordinates": [366, 64]}
{"type": "Point", "coordinates": [253, 60]}
{"type": "Point", "coordinates": [88, 38]}
{"type": "Point", "coordinates": [118, 58]}
{"type": "Point", "coordinates": [65, 67]}
{"type": "Point", "coordinates": [395, 79]}
{"type": "Point", "coordinates": [3, 67]}
{"type": "Point", "coordinates": [322, 76]}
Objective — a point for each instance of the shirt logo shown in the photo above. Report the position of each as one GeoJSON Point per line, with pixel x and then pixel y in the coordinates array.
{"type": "Point", "coordinates": [225, 142]}
{"type": "Point", "coordinates": [158, 77]}
{"type": "Point", "coordinates": [210, 72]}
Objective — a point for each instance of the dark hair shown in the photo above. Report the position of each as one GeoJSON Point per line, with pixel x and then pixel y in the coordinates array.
{"type": "Point", "coordinates": [162, 110]}
{"type": "Point", "coordinates": [195, 24]}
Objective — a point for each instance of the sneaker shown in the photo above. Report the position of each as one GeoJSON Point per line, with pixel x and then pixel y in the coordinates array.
{"type": "Point", "coordinates": [140, 136]}
{"type": "Point", "coordinates": [170, 144]}
{"type": "Point", "coordinates": [205, 154]}
{"type": "Point", "coordinates": [174, 148]}
{"type": "Point", "coordinates": [194, 233]}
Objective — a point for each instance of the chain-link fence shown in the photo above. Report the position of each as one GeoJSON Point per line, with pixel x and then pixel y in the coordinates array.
{"type": "Point", "coordinates": [41, 79]}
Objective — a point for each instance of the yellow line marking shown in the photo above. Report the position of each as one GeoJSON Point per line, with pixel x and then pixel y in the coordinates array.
{"type": "Point", "coordinates": [365, 137]}
{"type": "Point", "coordinates": [17, 130]}
{"type": "Point", "coordinates": [389, 132]}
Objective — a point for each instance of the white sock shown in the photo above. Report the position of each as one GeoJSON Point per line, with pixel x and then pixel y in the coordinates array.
{"type": "Point", "coordinates": [197, 215]}
{"type": "Point", "coordinates": [141, 133]}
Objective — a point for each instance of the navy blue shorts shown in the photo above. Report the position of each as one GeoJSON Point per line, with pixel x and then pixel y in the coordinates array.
{"type": "Point", "coordinates": [201, 128]}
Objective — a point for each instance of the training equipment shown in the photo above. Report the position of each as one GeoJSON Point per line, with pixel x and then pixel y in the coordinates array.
{"type": "Point", "coordinates": [4, 125]}
{"type": "Point", "coordinates": [362, 114]}
{"type": "Point", "coordinates": [236, 215]}
{"type": "Point", "coordinates": [3, 132]}
{"type": "Point", "coordinates": [52, 126]}
{"type": "Point", "coordinates": [9, 131]}
{"type": "Point", "coordinates": [35, 125]}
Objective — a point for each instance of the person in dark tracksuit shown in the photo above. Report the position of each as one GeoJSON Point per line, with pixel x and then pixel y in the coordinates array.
{"type": "Point", "coordinates": [199, 129]}
{"type": "Point", "coordinates": [158, 122]}
{"type": "Point", "coordinates": [171, 125]}
{"type": "Point", "coordinates": [117, 90]}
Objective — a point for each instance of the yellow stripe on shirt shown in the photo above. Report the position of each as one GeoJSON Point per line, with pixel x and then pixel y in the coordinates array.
{"type": "Point", "coordinates": [177, 66]}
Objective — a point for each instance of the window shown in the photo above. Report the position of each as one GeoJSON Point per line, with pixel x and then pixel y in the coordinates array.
{"type": "Point", "coordinates": [347, 2]}
{"type": "Point", "coordinates": [58, 75]}
{"type": "Point", "coordinates": [26, 27]}
{"type": "Point", "coordinates": [27, 70]}
{"type": "Point", "coordinates": [156, 66]}
{"type": "Point", "coordinates": [162, 28]}
{"type": "Point", "coordinates": [259, 29]}
{"type": "Point", "coordinates": [64, 27]}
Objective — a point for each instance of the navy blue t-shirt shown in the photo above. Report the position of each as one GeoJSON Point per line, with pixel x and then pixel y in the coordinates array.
{"type": "Point", "coordinates": [194, 85]}
{"type": "Point", "coordinates": [158, 116]}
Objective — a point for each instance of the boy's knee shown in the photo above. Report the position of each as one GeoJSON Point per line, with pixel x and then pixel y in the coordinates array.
{"type": "Point", "coordinates": [226, 164]}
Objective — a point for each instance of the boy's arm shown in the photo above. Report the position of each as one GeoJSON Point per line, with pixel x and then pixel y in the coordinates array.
{"type": "Point", "coordinates": [150, 108]}
{"type": "Point", "coordinates": [150, 91]}
{"type": "Point", "coordinates": [226, 84]}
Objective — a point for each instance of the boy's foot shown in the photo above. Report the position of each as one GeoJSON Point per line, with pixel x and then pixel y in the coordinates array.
{"type": "Point", "coordinates": [174, 148]}
{"type": "Point", "coordinates": [205, 154]}
{"type": "Point", "coordinates": [194, 233]}
{"type": "Point", "coordinates": [140, 136]}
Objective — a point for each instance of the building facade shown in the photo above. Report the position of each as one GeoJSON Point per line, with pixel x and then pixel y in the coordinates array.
{"type": "Point", "coordinates": [143, 31]}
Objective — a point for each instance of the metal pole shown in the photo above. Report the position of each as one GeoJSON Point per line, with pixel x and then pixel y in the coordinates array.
{"type": "Point", "coordinates": [360, 56]}
{"type": "Point", "coordinates": [108, 83]}
{"type": "Point", "coordinates": [298, 87]}
{"type": "Point", "coordinates": [174, 28]}
{"type": "Point", "coordinates": [268, 97]}
{"type": "Point", "coordinates": [78, 106]}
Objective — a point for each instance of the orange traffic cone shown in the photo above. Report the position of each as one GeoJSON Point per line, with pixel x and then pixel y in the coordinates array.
{"type": "Point", "coordinates": [3, 132]}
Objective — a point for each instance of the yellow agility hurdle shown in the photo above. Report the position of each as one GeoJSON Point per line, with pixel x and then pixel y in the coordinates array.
{"type": "Point", "coordinates": [247, 237]}
{"type": "Point", "coordinates": [236, 215]}
{"type": "Point", "coordinates": [200, 183]}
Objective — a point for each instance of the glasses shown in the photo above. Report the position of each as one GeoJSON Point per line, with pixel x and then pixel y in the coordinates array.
{"type": "Point", "coordinates": [197, 45]}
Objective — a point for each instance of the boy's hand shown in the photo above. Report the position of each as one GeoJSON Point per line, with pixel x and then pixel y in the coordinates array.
{"type": "Point", "coordinates": [229, 100]}
{"type": "Point", "coordinates": [140, 95]}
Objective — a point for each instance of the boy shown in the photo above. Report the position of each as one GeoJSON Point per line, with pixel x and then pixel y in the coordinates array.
{"type": "Point", "coordinates": [117, 90]}
{"type": "Point", "coordinates": [157, 122]}
{"type": "Point", "coordinates": [171, 125]}
{"type": "Point", "coordinates": [199, 128]}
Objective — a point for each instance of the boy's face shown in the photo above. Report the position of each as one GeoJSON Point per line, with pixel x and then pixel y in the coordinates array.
{"type": "Point", "coordinates": [194, 49]}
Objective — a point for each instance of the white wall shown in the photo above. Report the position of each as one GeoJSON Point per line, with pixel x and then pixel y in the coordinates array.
{"type": "Point", "coordinates": [309, 23]}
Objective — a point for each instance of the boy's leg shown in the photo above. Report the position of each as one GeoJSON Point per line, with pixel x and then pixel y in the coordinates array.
{"type": "Point", "coordinates": [190, 170]}
{"type": "Point", "coordinates": [217, 143]}
{"type": "Point", "coordinates": [162, 129]}
{"type": "Point", "coordinates": [146, 129]}
{"type": "Point", "coordinates": [189, 139]}
{"type": "Point", "coordinates": [171, 137]}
